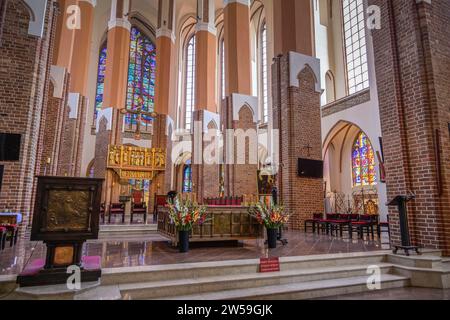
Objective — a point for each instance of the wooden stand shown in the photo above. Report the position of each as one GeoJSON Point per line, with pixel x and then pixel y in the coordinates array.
{"type": "Point", "coordinates": [67, 213]}
{"type": "Point", "coordinates": [401, 203]}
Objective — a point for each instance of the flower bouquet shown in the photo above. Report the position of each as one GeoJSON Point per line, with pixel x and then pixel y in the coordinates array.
{"type": "Point", "coordinates": [273, 217]}
{"type": "Point", "coordinates": [184, 214]}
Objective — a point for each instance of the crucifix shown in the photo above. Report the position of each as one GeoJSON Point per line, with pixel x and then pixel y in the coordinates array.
{"type": "Point", "coordinates": [139, 111]}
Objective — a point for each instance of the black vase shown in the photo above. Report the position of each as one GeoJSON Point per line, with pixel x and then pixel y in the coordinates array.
{"type": "Point", "coordinates": [183, 241]}
{"type": "Point", "coordinates": [272, 238]}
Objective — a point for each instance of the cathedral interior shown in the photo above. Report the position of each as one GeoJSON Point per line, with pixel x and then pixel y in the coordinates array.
{"type": "Point", "coordinates": [336, 109]}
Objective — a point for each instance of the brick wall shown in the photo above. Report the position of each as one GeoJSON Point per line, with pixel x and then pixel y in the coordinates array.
{"type": "Point", "coordinates": [297, 115]}
{"type": "Point", "coordinates": [24, 64]}
{"type": "Point", "coordinates": [205, 177]}
{"type": "Point", "coordinates": [412, 59]}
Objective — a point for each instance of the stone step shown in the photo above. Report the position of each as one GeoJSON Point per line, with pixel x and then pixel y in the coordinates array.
{"type": "Point", "coordinates": [190, 286]}
{"type": "Point", "coordinates": [302, 290]}
{"type": "Point", "coordinates": [127, 231]}
{"type": "Point", "coordinates": [236, 267]}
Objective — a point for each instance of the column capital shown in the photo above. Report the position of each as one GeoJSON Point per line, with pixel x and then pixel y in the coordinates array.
{"type": "Point", "coordinates": [166, 32]}
{"type": "Point", "coordinates": [243, 2]}
{"type": "Point", "coordinates": [204, 26]}
{"type": "Point", "coordinates": [119, 22]}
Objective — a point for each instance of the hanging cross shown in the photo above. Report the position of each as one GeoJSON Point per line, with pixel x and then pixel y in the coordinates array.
{"type": "Point", "coordinates": [309, 148]}
{"type": "Point", "coordinates": [140, 109]}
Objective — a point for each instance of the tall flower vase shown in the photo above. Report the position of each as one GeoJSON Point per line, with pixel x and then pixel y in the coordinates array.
{"type": "Point", "coordinates": [272, 238]}
{"type": "Point", "coordinates": [183, 241]}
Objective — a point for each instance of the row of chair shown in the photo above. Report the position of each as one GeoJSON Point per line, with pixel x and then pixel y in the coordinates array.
{"type": "Point", "coordinates": [118, 209]}
{"type": "Point", "coordinates": [334, 223]}
{"type": "Point", "coordinates": [8, 231]}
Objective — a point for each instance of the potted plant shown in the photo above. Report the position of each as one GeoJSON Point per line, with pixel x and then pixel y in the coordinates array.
{"type": "Point", "coordinates": [185, 214]}
{"type": "Point", "coordinates": [273, 217]}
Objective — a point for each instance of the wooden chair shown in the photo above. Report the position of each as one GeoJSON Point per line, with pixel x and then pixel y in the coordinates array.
{"type": "Point", "coordinates": [160, 200]}
{"type": "Point", "coordinates": [117, 209]}
{"type": "Point", "coordinates": [363, 225]}
{"type": "Point", "coordinates": [312, 223]}
{"type": "Point", "coordinates": [138, 209]}
{"type": "Point", "coordinates": [12, 230]}
{"type": "Point", "coordinates": [3, 233]}
{"type": "Point", "coordinates": [103, 212]}
{"type": "Point", "coordinates": [384, 227]}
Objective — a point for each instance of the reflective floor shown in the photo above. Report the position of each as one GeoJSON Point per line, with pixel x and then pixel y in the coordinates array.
{"type": "Point", "coordinates": [156, 250]}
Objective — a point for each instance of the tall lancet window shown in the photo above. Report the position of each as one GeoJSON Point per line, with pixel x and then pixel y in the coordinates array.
{"type": "Point", "coordinates": [187, 178]}
{"type": "Point", "coordinates": [100, 79]}
{"type": "Point", "coordinates": [264, 74]}
{"type": "Point", "coordinates": [363, 162]}
{"type": "Point", "coordinates": [190, 83]}
{"type": "Point", "coordinates": [141, 76]}
{"type": "Point", "coordinates": [355, 45]}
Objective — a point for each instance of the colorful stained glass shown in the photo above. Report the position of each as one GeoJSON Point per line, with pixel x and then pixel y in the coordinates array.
{"type": "Point", "coordinates": [100, 79]}
{"type": "Point", "coordinates": [363, 162]}
{"type": "Point", "coordinates": [187, 179]}
{"type": "Point", "coordinates": [141, 76]}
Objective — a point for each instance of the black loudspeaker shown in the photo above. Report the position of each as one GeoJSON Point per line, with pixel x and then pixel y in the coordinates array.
{"type": "Point", "coordinates": [1, 176]}
{"type": "Point", "coordinates": [10, 146]}
{"type": "Point", "coordinates": [310, 169]}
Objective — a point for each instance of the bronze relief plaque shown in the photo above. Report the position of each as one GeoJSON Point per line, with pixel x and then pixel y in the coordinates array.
{"type": "Point", "coordinates": [68, 210]}
{"type": "Point", "coordinates": [63, 256]}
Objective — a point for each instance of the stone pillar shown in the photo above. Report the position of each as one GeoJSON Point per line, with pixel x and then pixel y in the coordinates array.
{"type": "Point", "coordinates": [109, 120]}
{"type": "Point", "coordinates": [293, 25]}
{"type": "Point", "coordinates": [205, 171]}
{"type": "Point", "coordinates": [163, 124]}
{"type": "Point", "coordinates": [237, 47]}
{"type": "Point", "coordinates": [411, 58]}
{"type": "Point", "coordinates": [239, 110]}
{"type": "Point", "coordinates": [297, 116]}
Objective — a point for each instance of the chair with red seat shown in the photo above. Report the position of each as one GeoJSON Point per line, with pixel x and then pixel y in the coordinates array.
{"type": "Point", "coordinates": [384, 225]}
{"type": "Point", "coordinates": [12, 231]}
{"type": "Point", "coordinates": [138, 209]}
{"type": "Point", "coordinates": [341, 222]}
{"type": "Point", "coordinates": [3, 233]}
{"type": "Point", "coordinates": [312, 223]}
{"type": "Point", "coordinates": [117, 209]}
{"type": "Point", "coordinates": [325, 224]}
{"type": "Point", "coordinates": [364, 224]}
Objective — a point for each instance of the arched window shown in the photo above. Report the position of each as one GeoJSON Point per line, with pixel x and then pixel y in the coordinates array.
{"type": "Point", "coordinates": [363, 162]}
{"type": "Point", "coordinates": [355, 45]}
{"type": "Point", "coordinates": [189, 83]}
{"type": "Point", "coordinates": [264, 74]}
{"type": "Point", "coordinates": [330, 87]}
{"type": "Point", "coordinates": [187, 179]}
{"type": "Point", "coordinates": [141, 76]}
{"type": "Point", "coordinates": [100, 79]}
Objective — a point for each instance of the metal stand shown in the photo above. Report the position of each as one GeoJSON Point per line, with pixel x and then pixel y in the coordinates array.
{"type": "Point", "coordinates": [401, 203]}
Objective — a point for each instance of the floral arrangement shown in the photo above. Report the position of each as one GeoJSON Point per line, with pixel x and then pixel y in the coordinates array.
{"type": "Point", "coordinates": [272, 216]}
{"type": "Point", "coordinates": [185, 213]}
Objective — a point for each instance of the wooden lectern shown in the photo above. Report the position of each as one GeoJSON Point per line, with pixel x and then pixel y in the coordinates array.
{"type": "Point", "coordinates": [401, 203]}
{"type": "Point", "coordinates": [66, 214]}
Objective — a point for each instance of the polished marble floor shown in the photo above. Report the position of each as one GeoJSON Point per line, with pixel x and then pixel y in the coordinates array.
{"type": "Point", "coordinates": [117, 252]}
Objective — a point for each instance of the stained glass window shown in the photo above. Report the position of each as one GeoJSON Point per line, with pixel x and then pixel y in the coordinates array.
{"type": "Point", "coordinates": [190, 82]}
{"type": "Point", "coordinates": [100, 79]}
{"type": "Point", "coordinates": [187, 179]}
{"type": "Point", "coordinates": [264, 74]}
{"type": "Point", "coordinates": [141, 76]}
{"type": "Point", "coordinates": [363, 162]}
{"type": "Point", "coordinates": [355, 45]}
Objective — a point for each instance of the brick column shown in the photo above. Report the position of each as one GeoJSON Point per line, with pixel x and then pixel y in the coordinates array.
{"type": "Point", "coordinates": [109, 120]}
{"type": "Point", "coordinates": [23, 95]}
{"type": "Point", "coordinates": [411, 58]}
{"type": "Point", "coordinates": [205, 172]}
{"type": "Point", "coordinates": [297, 116]}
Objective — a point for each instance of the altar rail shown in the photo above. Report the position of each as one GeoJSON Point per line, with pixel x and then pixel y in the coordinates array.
{"type": "Point", "coordinates": [224, 224]}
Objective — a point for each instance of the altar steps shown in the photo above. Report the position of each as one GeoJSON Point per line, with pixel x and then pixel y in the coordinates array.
{"type": "Point", "coordinates": [128, 231]}
{"type": "Point", "coordinates": [241, 284]}
{"type": "Point", "coordinates": [302, 290]}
